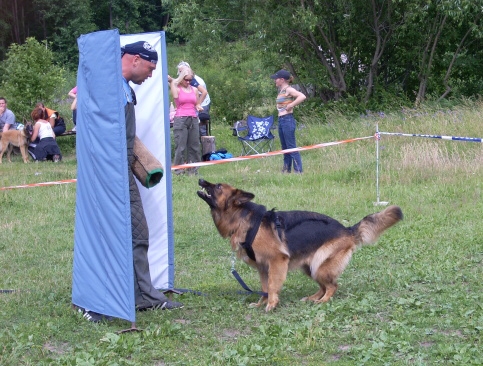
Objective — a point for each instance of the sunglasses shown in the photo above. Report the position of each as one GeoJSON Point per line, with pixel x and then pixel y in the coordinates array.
{"type": "Point", "coordinates": [187, 79]}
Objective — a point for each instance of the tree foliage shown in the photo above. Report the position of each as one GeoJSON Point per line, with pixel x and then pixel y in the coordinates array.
{"type": "Point", "coordinates": [342, 48]}
{"type": "Point", "coordinates": [353, 50]}
{"type": "Point", "coordinates": [61, 22]}
{"type": "Point", "coordinates": [30, 76]}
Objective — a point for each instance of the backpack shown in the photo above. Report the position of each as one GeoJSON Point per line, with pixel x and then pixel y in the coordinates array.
{"type": "Point", "coordinates": [217, 155]}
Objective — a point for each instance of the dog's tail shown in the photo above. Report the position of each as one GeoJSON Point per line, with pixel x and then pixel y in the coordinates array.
{"type": "Point", "coordinates": [368, 230]}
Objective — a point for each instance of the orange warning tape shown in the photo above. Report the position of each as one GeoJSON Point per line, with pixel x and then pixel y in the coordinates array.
{"type": "Point", "coordinates": [66, 181]}
{"type": "Point", "coordinates": [271, 153]}
{"type": "Point", "coordinates": [205, 163]}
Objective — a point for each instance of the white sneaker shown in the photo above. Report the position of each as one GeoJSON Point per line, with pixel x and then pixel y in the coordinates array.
{"type": "Point", "coordinates": [73, 130]}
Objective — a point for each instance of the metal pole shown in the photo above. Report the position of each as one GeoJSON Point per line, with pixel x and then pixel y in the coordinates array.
{"type": "Point", "coordinates": [378, 137]}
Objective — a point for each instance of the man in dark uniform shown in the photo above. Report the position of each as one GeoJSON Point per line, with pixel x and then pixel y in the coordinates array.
{"type": "Point", "coordinates": [138, 61]}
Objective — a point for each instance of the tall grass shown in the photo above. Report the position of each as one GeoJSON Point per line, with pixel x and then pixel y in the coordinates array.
{"type": "Point", "coordinates": [412, 299]}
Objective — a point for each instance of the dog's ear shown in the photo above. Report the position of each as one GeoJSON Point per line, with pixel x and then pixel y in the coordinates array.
{"type": "Point", "coordinates": [242, 197]}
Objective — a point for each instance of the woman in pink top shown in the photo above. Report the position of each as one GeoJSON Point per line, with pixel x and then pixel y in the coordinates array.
{"type": "Point", "coordinates": [186, 123]}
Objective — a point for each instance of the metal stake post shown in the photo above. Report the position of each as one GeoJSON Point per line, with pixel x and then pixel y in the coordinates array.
{"type": "Point", "coordinates": [378, 137]}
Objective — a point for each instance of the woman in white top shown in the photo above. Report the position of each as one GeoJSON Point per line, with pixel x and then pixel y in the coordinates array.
{"type": "Point", "coordinates": [46, 148]}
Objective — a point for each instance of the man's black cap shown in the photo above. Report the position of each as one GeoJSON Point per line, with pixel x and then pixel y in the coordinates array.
{"type": "Point", "coordinates": [141, 48]}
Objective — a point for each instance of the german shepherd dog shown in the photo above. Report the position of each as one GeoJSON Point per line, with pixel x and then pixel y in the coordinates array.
{"type": "Point", "coordinates": [275, 242]}
{"type": "Point", "coordinates": [19, 138]}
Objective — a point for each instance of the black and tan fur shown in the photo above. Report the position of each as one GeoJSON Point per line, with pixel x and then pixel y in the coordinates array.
{"type": "Point", "coordinates": [317, 244]}
{"type": "Point", "coordinates": [19, 138]}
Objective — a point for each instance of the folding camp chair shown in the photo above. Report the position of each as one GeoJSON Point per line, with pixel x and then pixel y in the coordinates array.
{"type": "Point", "coordinates": [256, 136]}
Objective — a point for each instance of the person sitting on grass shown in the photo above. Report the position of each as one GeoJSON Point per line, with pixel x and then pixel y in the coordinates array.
{"type": "Point", "coordinates": [56, 121]}
{"type": "Point", "coordinates": [7, 118]}
{"type": "Point", "coordinates": [46, 148]}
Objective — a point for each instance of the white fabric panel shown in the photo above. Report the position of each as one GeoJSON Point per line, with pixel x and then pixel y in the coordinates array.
{"type": "Point", "coordinates": [152, 110]}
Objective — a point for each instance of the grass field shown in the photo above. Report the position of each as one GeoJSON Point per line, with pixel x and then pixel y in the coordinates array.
{"type": "Point", "coordinates": [415, 298]}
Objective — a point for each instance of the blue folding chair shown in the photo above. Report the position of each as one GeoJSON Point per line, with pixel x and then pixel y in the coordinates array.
{"type": "Point", "coordinates": [256, 136]}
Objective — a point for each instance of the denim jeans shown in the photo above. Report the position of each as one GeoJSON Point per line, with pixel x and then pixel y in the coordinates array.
{"type": "Point", "coordinates": [286, 132]}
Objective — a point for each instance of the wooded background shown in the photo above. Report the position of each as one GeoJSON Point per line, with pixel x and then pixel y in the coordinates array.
{"type": "Point", "coordinates": [368, 52]}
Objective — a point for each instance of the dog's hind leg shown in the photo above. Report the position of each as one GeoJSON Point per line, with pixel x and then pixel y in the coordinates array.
{"type": "Point", "coordinates": [329, 272]}
{"type": "Point", "coordinates": [315, 297]}
{"type": "Point", "coordinates": [9, 151]}
{"type": "Point", "coordinates": [326, 267]}
{"type": "Point", "coordinates": [263, 300]}
{"type": "Point", "coordinates": [2, 150]}
{"type": "Point", "coordinates": [277, 273]}
{"type": "Point", "coordinates": [318, 294]}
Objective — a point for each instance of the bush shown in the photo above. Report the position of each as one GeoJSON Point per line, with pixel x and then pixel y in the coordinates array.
{"type": "Point", "coordinates": [30, 76]}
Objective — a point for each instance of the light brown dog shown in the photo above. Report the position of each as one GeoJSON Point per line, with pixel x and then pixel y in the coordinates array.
{"type": "Point", "coordinates": [275, 242]}
{"type": "Point", "coordinates": [19, 138]}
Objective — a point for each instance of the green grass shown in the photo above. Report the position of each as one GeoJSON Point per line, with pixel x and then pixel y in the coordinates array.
{"type": "Point", "coordinates": [415, 298]}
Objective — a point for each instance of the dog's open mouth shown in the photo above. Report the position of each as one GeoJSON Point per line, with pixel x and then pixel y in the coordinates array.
{"type": "Point", "coordinates": [203, 192]}
{"type": "Point", "coordinates": [206, 190]}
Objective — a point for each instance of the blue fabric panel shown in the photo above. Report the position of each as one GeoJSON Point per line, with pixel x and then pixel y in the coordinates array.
{"type": "Point", "coordinates": [103, 266]}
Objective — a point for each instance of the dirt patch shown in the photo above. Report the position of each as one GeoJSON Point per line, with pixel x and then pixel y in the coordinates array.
{"type": "Point", "coordinates": [57, 349]}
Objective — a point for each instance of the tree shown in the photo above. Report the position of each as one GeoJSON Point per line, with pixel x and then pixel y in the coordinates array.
{"type": "Point", "coordinates": [30, 76]}
{"type": "Point", "coordinates": [382, 26]}
{"type": "Point", "coordinates": [58, 21]}
{"type": "Point", "coordinates": [341, 48]}
{"type": "Point", "coordinates": [236, 81]}
{"type": "Point", "coordinates": [62, 22]}
{"type": "Point", "coordinates": [436, 21]}
{"type": "Point", "coordinates": [122, 14]}
{"type": "Point", "coordinates": [468, 17]}
{"type": "Point", "coordinates": [14, 23]}
{"type": "Point", "coordinates": [319, 41]}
